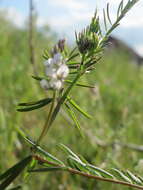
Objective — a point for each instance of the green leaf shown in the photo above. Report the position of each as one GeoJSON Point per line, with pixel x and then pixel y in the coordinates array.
{"type": "Point", "coordinates": [74, 104]}
{"type": "Point", "coordinates": [76, 122]}
{"type": "Point", "coordinates": [78, 164]}
{"type": "Point", "coordinates": [101, 171]}
{"type": "Point", "coordinates": [46, 100]}
{"type": "Point", "coordinates": [134, 178]}
{"type": "Point", "coordinates": [68, 150]}
{"type": "Point", "coordinates": [48, 169]}
{"type": "Point", "coordinates": [37, 78]}
{"type": "Point", "coordinates": [13, 172]}
{"type": "Point", "coordinates": [92, 171]}
{"type": "Point", "coordinates": [108, 15]}
{"type": "Point", "coordinates": [120, 175]}
{"type": "Point", "coordinates": [49, 156]}
{"type": "Point", "coordinates": [35, 106]}
{"type": "Point", "coordinates": [105, 21]}
{"type": "Point", "coordinates": [79, 84]}
{"type": "Point", "coordinates": [120, 8]}
{"type": "Point", "coordinates": [72, 57]}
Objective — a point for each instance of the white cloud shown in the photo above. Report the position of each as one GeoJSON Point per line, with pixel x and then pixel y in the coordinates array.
{"type": "Point", "coordinates": [139, 49]}
{"type": "Point", "coordinates": [14, 15]}
{"type": "Point", "coordinates": [71, 4]}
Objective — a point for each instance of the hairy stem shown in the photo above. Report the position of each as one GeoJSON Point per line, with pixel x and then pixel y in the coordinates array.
{"type": "Point", "coordinates": [47, 123]}
{"type": "Point", "coordinates": [76, 172]}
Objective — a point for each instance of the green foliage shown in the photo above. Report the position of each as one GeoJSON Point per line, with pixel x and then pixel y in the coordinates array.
{"type": "Point", "coordinates": [117, 110]}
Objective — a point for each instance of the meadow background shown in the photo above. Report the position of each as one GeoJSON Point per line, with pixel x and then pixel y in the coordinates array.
{"type": "Point", "coordinates": [115, 104]}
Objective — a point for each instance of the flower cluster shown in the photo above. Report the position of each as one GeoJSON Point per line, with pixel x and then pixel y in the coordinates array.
{"type": "Point", "coordinates": [56, 70]}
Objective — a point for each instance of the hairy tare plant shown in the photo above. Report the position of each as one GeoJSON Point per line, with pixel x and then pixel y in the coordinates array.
{"type": "Point", "coordinates": [63, 69]}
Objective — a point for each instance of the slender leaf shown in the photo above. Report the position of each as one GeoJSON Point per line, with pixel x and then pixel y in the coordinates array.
{"type": "Point", "coordinates": [120, 7]}
{"type": "Point", "coordinates": [93, 171]}
{"type": "Point", "coordinates": [49, 156]}
{"type": "Point", "coordinates": [74, 104]}
{"type": "Point", "coordinates": [134, 178]}
{"type": "Point", "coordinates": [79, 84]}
{"type": "Point", "coordinates": [108, 15]}
{"type": "Point", "coordinates": [72, 57]}
{"type": "Point", "coordinates": [48, 169]}
{"type": "Point", "coordinates": [73, 116]}
{"type": "Point", "coordinates": [46, 100]}
{"type": "Point", "coordinates": [120, 175]}
{"type": "Point", "coordinates": [78, 163]}
{"type": "Point", "coordinates": [105, 21]}
{"type": "Point", "coordinates": [36, 106]}
{"type": "Point", "coordinates": [101, 171]}
{"type": "Point", "coordinates": [37, 78]}
{"type": "Point", "coordinates": [13, 172]}
{"type": "Point", "coordinates": [68, 151]}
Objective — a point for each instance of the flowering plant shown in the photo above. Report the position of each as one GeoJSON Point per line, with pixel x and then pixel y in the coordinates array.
{"type": "Point", "coordinates": [62, 72]}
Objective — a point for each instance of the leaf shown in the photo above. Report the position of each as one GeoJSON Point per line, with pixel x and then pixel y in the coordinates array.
{"type": "Point", "coordinates": [101, 171]}
{"type": "Point", "coordinates": [46, 100]}
{"type": "Point", "coordinates": [68, 151]}
{"type": "Point", "coordinates": [79, 84]}
{"type": "Point", "coordinates": [37, 78]}
{"type": "Point", "coordinates": [120, 8]}
{"type": "Point", "coordinates": [120, 175]}
{"type": "Point", "coordinates": [108, 15]}
{"type": "Point", "coordinates": [49, 156]}
{"type": "Point", "coordinates": [92, 171]}
{"type": "Point", "coordinates": [74, 104]}
{"type": "Point", "coordinates": [105, 22]}
{"type": "Point", "coordinates": [13, 172]}
{"type": "Point", "coordinates": [35, 106]}
{"type": "Point", "coordinates": [134, 178]}
{"type": "Point", "coordinates": [49, 169]}
{"type": "Point", "coordinates": [72, 57]}
{"type": "Point", "coordinates": [78, 163]}
{"type": "Point", "coordinates": [76, 122]}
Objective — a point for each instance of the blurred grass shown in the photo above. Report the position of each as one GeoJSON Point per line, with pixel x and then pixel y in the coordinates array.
{"type": "Point", "coordinates": [115, 104]}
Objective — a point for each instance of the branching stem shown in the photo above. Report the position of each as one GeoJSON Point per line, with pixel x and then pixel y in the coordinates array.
{"type": "Point", "coordinates": [76, 172]}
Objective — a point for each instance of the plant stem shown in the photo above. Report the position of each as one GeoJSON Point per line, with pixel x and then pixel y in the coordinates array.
{"type": "Point", "coordinates": [47, 123]}
{"type": "Point", "coordinates": [63, 98]}
{"type": "Point", "coordinates": [31, 36]}
{"type": "Point", "coordinates": [76, 172]}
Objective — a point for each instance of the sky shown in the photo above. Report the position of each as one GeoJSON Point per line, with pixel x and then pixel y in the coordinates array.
{"type": "Point", "coordinates": [67, 16]}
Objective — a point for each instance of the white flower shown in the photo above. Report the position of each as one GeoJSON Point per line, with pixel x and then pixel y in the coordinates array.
{"type": "Point", "coordinates": [48, 62]}
{"type": "Point", "coordinates": [63, 71]}
{"type": "Point", "coordinates": [51, 71]}
{"type": "Point", "coordinates": [56, 84]}
{"type": "Point", "coordinates": [57, 59]}
{"type": "Point", "coordinates": [44, 84]}
{"type": "Point", "coordinates": [56, 70]}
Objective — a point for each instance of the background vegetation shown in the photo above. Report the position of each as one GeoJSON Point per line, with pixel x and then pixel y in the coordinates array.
{"type": "Point", "coordinates": [115, 103]}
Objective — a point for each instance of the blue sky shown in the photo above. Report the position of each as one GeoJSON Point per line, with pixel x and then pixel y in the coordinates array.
{"type": "Point", "coordinates": [66, 16]}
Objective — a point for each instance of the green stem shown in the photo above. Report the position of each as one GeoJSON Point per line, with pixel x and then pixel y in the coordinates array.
{"type": "Point", "coordinates": [63, 98]}
{"type": "Point", "coordinates": [47, 123]}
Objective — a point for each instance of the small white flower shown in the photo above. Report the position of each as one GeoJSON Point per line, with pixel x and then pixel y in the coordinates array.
{"type": "Point", "coordinates": [56, 70]}
{"type": "Point", "coordinates": [48, 62]}
{"type": "Point", "coordinates": [57, 59]}
{"type": "Point", "coordinates": [63, 71]}
{"type": "Point", "coordinates": [44, 84]}
{"type": "Point", "coordinates": [56, 84]}
{"type": "Point", "coordinates": [51, 72]}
